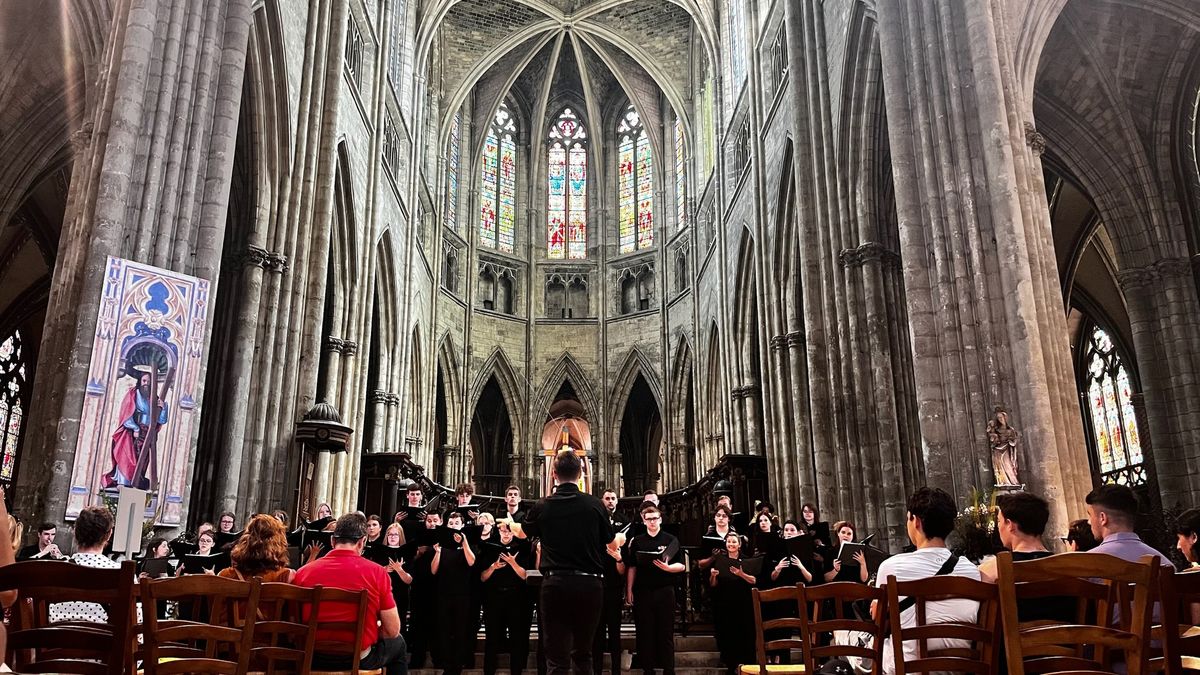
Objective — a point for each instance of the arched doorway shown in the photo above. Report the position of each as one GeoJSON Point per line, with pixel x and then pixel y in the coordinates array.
{"type": "Point", "coordinates": [491, 441]}
{"type": "Point", "coordinates": [641, 439]}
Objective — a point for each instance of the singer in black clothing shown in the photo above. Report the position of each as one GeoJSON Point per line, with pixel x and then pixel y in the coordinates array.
{"type": "Point", "coordinates": [574, 530]}
{"type": "Point", "coordinates": [654, 562]}
{"type": "Point", "coordinates": [418, 631]}
{"type": "Point", "coordinates": [453, 559]}
{"type": "Point", "coordinates": [608, 631]}
{"type": "Point", "coordinates": [507, 612]}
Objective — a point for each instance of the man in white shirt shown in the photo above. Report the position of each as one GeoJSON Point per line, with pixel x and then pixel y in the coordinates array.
{"type": "Point", "coordinates": [931, 514]}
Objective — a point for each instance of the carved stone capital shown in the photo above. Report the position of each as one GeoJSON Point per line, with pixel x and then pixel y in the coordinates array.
{"type": "Point", "coordinates": [254, 256]}
{"type": "Point", "coordinates": [378, 396]}
{"type": "Point", "coordinates": [1034, 139]}
{"type": "Point", "coordinates": [795, 339]}
{"type": "Point", "coordinates": [334, 344]}
{"type": "Point", "coordinates": [779, 342]}
{"type": "Point", "coordinates": [393, 400]}
{"type": "Point", "coordinates": [349, 347]}
{"type": "Point", "coordinates": [868, 252]}
{"type": "Point", "coordinates": [277, 262]}
{"type": "Point", "coordinates": [1142, 277]}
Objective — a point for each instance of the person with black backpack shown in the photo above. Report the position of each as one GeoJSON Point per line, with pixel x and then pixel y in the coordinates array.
{"type": "Point", "coordinates": [931, 514]}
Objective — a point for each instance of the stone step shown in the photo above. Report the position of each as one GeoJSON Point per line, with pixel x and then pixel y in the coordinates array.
{"type": "Point", "coordinates": [683, 659]}
{"type": "Point", "coordinates": [504, 671]}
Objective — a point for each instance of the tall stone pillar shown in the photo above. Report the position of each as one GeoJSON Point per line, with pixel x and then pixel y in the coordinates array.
{"type": "Point", "coordinates": [985, 314]}
{"type": "Point", "coordinates": [154, 187]}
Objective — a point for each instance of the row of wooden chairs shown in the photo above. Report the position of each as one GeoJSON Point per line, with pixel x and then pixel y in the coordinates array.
{"type": "Point", "coordinates": [234, 627]}
{"type": "Point", "coordinates": [1101, 587]}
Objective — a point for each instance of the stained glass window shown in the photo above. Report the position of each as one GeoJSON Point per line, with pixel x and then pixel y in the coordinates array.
{"type": "Point", "coordinates": [12, 394]}
{"type": "Point", "coordinates": [566, 212]}
{"type": "Point", "coordinates": [635, 185]}
{"type": "Point", "coordinates": [498, 198]}
{"type": "Point", "coordinates": [451, 218]}
{"type": "Point", "coordinates": [1117, 445]}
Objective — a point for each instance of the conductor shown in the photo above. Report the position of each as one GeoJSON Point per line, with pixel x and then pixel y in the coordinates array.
{"type": "Point", "coordinates": [574, 530]}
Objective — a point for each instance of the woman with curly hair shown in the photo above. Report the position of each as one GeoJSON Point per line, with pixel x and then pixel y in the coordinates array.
{"type": "Point", "coordinates": [261, 551]}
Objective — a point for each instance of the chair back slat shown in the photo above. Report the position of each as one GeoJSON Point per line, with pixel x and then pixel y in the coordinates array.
{"type": "Point", "coordinates": [1177, 638]}
{"type": "Point", "coordinates": [188, 646]}
{"type": "Point", "coordinates": [826, 611]}
{"type": "Point", "coordinates": [976, 655]}
{"type": "Point", "coordinates": [283, 635]}
{"type": "Point", "coordinates": [1093, 642]}
{"type": "Point", "coordinates": [36, 645]}
{"type": "Point", "coordinates": [351, 648]}
{"type": "Point", "coordinates": [786, 599]}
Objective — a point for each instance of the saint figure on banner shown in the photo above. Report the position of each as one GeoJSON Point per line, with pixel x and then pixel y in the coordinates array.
{"type": "Point", "coordinates": [142, 414]}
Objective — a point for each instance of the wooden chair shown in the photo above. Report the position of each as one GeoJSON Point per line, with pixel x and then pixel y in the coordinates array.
{"type": "Point", "coordinates": [349, 649]}
{"type": "Point", "coordinates": [1086, 646]}
{"type": "Point", "coordinates": [836, 596]}
{"type": "Point", "coordinates": [190, 646]}
{"type": "Point", "coordinates": [787, 597]}
{"type": "Point", "coordinates": [1179, 632]}
{"type": "Point", "coordinates": [281, 632]}
{"type": "Point", "coordinates": [71, 646]}
{"type": "Point", "coordinates": [981, 636]}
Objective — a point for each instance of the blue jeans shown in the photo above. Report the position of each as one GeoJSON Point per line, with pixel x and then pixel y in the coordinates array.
{"type": "Point", "coordinates": [391, 654]}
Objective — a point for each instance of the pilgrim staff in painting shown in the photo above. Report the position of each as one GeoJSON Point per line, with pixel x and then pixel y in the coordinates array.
{"type": "Point", "coordinates": [135, 442]}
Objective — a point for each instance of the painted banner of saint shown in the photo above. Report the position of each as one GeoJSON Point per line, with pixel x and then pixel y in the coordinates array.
{"type": "Point", "coordinates": [140, 410]}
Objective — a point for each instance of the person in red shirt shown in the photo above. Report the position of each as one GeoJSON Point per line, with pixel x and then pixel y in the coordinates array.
{"type": "Point", "coordinates": [344, 567]}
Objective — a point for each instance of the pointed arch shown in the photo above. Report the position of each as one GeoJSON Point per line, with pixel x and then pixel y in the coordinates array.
{"type": "Point", "coordinates": [566, 369]}
{"type": "Point", "coordinates": [497, 408]}
{"type": "Point", "coordinates": [636, 362]}
{"type": "Point", "coordinates": [683, 465]}
{"type": "Point", "coordinates": [498, 364]}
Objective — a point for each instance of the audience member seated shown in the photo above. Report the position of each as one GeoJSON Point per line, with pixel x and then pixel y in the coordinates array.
{"type": "Point", "coordinates": [45, 546]}
{"type": "Point", "coordinates": [345, 567]}
{"type": "Point", "coordinates": [1112, 512]}
{"type": "Point", "coordinates": [1079, 536]}
{"type": "Point", "coordinates": [1188, 531]}
{"type": "Point", "coordinates": [93, 528]}
{"type": "Point", "coordinates": [261, 552]}
{"type": "Point", "coordinates": [931, 514]}
{"type": "Point", "coordinates": [1021, 521]}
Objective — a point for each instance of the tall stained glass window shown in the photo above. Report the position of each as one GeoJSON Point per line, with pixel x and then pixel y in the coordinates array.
{"type": "Point", "coordinates": [566, 213]}
{"type": "Point", "coordinates": [680, 177]}
{"type": "Point", "coordinates": [736, 23]}
{"type": "Point", "coordinates": [12, 393]}
{"type": "Point", "coordinates": [498, 198]}
{"type": "Point", "coordinates": [635, 185]}
{"type": "Point", "coordinates": [1117, 445]}
{"type": "Point", "coordinates": [451, 218]}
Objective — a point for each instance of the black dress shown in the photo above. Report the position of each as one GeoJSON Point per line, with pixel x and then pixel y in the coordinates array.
{"type": "Point", "coordinates": [733, 621]}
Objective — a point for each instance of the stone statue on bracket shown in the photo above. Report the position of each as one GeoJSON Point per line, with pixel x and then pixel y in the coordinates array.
{"type": "Point", "coordinates": [1004, 442]}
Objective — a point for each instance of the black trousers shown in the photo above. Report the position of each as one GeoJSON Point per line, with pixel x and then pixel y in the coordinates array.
{"type": "Point", "coordinates": [418, 630]}
{"type": "Point", "coordinates": [571, 607]}
{"type": "Point", "coordinates": [654, 616]}
{"type": "Point", "coordinates": [608, 631]}
{"type": "Point", "coordinates": [454, 637]}
{"type": "Point", "coordinates": [507, 616]}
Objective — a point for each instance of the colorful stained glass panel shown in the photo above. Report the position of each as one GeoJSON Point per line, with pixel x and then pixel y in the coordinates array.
{"type": "Point", "coordinates": [508, 194]}
{"type": "Point", "coordinates": [577, 234]}
{"type": "Point", "coordinates": [645, 194]}
{"type": "Point", "coordinates": [627, 196]}
{"type": "Point", "coordinates": [557, 207]}
{"type": "Point", "coordinates": [487, 208]}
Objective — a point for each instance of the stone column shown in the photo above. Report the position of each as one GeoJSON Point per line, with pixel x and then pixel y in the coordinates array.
{"type": "Point", "coordinates": [374, 441]}
{"type": "Point", "coordinates": [986, 329]}
{"type": "Point", "coordinates": [154, 188]}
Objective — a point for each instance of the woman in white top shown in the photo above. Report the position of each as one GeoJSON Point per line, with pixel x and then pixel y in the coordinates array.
{"type": "Point", "coordinates": [93, 528]}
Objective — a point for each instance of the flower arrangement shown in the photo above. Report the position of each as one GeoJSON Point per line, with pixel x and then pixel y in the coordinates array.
{"type": "Point", "coordinates": [974, 535]}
